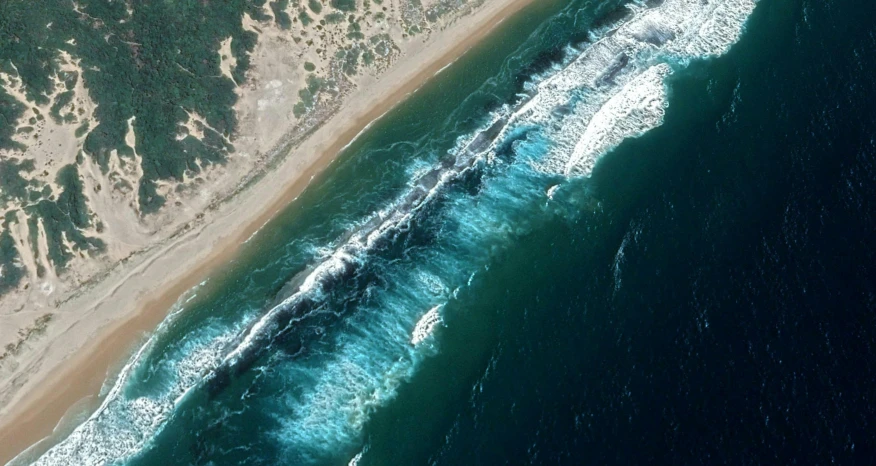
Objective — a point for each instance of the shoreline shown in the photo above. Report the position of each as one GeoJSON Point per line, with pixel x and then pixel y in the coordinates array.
{"type": "Point", "coordinates": [61, 379]}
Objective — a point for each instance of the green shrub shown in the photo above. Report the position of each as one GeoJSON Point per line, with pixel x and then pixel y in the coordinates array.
{"type": "Point", "coordinates": [354, 31]}
{"type": "Point", "coordinates": [80, 131]}
{"type": "Point", "coordinates": [334, 18]}
{"type": "Point", "coordinates": [344, 5]}
{"type": "Point", "coordinates": [10, 111]}
{"type": "Point", "coordinates": [14, 186]}
{"type": "Point", "coordinates": [280, 16]}
{"type": "Point", "coordinates": [304, 17]}
{"type": "Point", "coordinates": [63, 99]}
{"type": "Point", "coordinates": [10, 273]}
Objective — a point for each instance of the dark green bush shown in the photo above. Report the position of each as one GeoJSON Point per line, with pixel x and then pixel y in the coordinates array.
{"type": "Point", "coordinates": [10, 273]}
{"type": "Point", "coordinates": [334, 18]}
{"type": "Point", "coordinates": [64, 218]}
{"type": "Point", "coordinates": [14, 185]}
{"type": "Point", "coordinates": [344, 5]}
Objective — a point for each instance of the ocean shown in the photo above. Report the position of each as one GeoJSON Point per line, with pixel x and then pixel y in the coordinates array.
{"type": "Point", "coordinates": [612, 232]}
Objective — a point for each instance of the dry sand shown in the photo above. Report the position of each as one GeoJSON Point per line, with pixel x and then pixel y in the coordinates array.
{"type": "Point", "coordinates": [103, 325]}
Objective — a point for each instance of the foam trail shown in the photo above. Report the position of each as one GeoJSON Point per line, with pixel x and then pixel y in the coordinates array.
{"type": "Point", "coordinates": [638, 107]}
{"type": "Point", "coordinates": [355, 460]}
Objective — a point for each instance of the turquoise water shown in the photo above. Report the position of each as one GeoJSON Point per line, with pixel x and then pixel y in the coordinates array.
{"type": "Point", "coordinates": [487, 277]}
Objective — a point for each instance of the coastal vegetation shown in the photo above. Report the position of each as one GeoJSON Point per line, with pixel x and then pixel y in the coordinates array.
{"type": "Point", "coordinates": [33, 331]}
{"type": "Point", "coordinates": [149, 89]}
{"type": "Point", "coordinates": [155, 62]}
{"type": "Point", "coordinates": [11, 271]}
{"type": "Point", "coordinates": [64, 220]}
{"type": "Point", "coordinates": [152, 65]}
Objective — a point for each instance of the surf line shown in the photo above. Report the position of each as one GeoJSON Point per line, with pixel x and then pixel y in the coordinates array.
{"type": "Point", "coordinates": [675, 29]}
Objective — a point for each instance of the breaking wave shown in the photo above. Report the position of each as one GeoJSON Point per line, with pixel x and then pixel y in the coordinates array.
{"type": "Point", "coordinates": [125, 421]}
{"type": "Point", "coordinates": [610, 89]}
{"type": "Point", "coordinates": [614, 88]}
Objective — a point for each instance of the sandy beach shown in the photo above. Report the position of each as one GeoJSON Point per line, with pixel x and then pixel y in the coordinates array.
{"type": "Point", "coordinates": [98, 329]}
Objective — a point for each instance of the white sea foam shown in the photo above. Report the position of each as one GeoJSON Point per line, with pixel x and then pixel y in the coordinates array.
{"type": "Point", "coordinates": [638, 107]}
{"type": "Point", "coordinates": [614, 88]}
{"type": "Point", "coordinates": [122, 425]}
{"type": "Point", "coordinates": [433, 284]}
{"type": "Point", "coordinates": [361, 132]}
{"type": "Point", "coordinates": [355, 460]}
{"type": "Point", "coordinates": [425, 326]}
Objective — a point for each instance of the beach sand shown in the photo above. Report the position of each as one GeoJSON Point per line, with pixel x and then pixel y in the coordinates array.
{"type": "Point", "coordinates": [102, 326]}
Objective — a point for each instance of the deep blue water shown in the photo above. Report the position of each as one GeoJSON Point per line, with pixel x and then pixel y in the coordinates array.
{"type": "Point", "coordinates": [704, 295]}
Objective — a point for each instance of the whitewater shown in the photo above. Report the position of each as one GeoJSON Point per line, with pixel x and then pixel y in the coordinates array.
{"type": "Point", "coordinates": [386, 300]}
